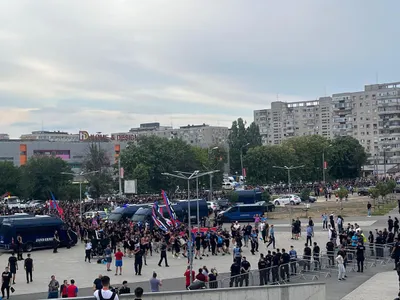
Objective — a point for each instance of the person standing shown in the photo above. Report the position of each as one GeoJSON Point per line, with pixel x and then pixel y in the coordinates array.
{"type": "Point", "coordinates": [72, 290]}
{"type": "Point", "coordinates": [163, 254]}
{"type": "Point", "coordinates": [390, 224]}
{"type": "Point", "coordinates": [244, 270]}
{"type": "Point", "coordinates": [155, 283]}
{"type": "Point", "coordinates": [63, 289]}
{"type": "Point", "coordinates": [88, 250]}
{"type": "Point", "coordinates": [105, 292]}
{"type": "Point", "coordinates": [107, 254]}
{"type": "Point", "coordinates": [118, 261]}
{"type": "Point", "coordinates": [307, 257]}
{"type": "Point", "coordinates": [20, 249]}
{"type": "Point", "coordinates": [369, 206]}
{"type": "Point", "coordinates": [262, 268]}
{"type": "Point", "coordinates": [324, 221]}
{"type": "Point", "coordinates": [5, 282]}
{"type": "Point", "coordinates": [293, 261]}
{"type": "Point", "coordinates": [360, 253]}
{"type": "Point", "coordinates": [138, 260]}
{"type": "Point", "coordinates": [56, 241]}
{"type": "Point", "coordinates": [28, 266]}
{"type": "Point", "coordinates": [309, 233]}
{"type": "Point", "coordinates": [13, 266]}
{"type": "Point", "coordinates": [284, 267]}
{"type": "Point", "coordinates": [97, 283]}
{"type": "Point", "coordinates": [53, 288]}
{"type": "Point", "coordinates": [138, 293]}
{"type": "Point", "coordinates": [235, 271]}
{"type": "Point", "coordinates": [341, 268]}
{"type": "Point", "coordinates": [189, 277]}
{"type": "Point", "coordinates": [316, 254]}
{"type": "Point", "coordinates": [311, 224]}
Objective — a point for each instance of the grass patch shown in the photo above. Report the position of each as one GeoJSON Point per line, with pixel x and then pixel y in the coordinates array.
{"type": "Point", "coordinates": [383, 209]}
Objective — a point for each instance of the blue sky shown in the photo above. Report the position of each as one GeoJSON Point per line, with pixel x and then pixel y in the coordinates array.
{"type": "Point", "coordinates": [110, 65]}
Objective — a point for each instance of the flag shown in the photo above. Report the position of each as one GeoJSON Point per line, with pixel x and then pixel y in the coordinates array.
{"type": "Point", "coordinates": [169, 208]}
{"type": "Point", "coordinates": [54, 204]}
{"type": "Point", "coordinates": [159, 221]}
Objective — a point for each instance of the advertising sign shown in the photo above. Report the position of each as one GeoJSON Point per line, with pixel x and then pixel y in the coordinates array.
{"type": "Point", "coordinates": [130, 186]}
{"type": "Point", "coordinates": [85, 136]}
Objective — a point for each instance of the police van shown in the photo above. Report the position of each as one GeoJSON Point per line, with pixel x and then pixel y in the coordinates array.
{"type": "Point", "coordinates": [37, 232]}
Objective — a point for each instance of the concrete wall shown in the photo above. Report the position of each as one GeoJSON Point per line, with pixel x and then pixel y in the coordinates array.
{"type": "Point", "coordinates": [303, 291]}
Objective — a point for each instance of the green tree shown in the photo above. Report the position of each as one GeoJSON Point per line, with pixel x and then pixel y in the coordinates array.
{"type": "Point", "coordinates": [151, 156]}
{"type": "Point", "coordinates": [9, 178]}
{"type": "Point", "coordinates": [346, 156]}
{"type": "Point", "coordinates": [233, 197]}
{"type": "Point", "coordinates": [305, 194]}
{"type": "Point", "coordinates": [375, 193]}
{"type": "Point", "coordinates": [308, 152]}
{"type": "Point", "coordinates": [43, 175]}
{"type": "Point", "coordinates": [342, 194]}
{"type": "Point", "coordinates": [241, 139]}
{"type": "Point", "coordinates": [261, 160]}
{"type": "Point", "coordinates": [98, 163]}
{"type": "Point", "coordinates": [265, 196]}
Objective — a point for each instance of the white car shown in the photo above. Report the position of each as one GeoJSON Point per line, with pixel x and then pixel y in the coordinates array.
{"type": "Point", "coordinates": [14, 202]}
{"type": "Point", "coordinates": [212, 205]}
{"type": "Point", "coordinates": [287, 199]}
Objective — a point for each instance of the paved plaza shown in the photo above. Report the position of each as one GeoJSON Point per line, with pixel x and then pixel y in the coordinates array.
{"type": "Point", "coordinates": [69, 264]}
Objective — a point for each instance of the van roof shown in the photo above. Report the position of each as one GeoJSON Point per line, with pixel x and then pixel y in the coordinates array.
{"type": "Point", "coordinates": [260, 203]}
{"type": "Point", "coordinates": [37, 221]}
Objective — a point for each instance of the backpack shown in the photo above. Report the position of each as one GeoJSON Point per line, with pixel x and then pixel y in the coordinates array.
{"type": "Point", "coordinates": [112, 296]}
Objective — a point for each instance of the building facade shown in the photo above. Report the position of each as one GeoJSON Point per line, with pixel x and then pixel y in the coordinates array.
{"type": "Point", "coordinates": [372, 116]}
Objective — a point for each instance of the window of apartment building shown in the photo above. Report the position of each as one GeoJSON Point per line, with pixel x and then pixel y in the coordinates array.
{"type": "Point", "coordinates": [367, 132]}
{"type": "Point", "coordinates": [355, 119]}
{"type": "Point", "coordinates": [360, 104]}
{"type": "Point", "coordinates": [368, 126]}
{"type": "Point", "coordinates": [362, 141]}
{"type": "Point", "coordinates": [355, 126]}
{"type": "Point", "coordinates": [375, 132]}
{"type": "Point", "coordinates": [366, 103]}
{"type": "Point", "coordinates": [361, 118]}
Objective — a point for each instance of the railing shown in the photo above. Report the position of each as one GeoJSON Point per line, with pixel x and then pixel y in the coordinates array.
{"type": "Point", "coordinates": [309, 268]}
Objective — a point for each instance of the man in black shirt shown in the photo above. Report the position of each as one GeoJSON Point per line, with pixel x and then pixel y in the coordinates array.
{"type": "Point", "coordinates": [56, 241]}
{"type": "Point", "coordinates": [244, 270]}
{"type": "Point", "coordinates": [316, 253]}
{"type": "Point", "coordinates": [163, 254]}
{"type": "Point", "coordinates": [307, 257]}
{"type": "Point", "coordinates": [138, 260]}
{"type": "Point", "coordinates": [5, 285]}
{"type": "Point", "coordinates": [330, 249]}
{"type": "Point", "coordinates": [262, 267]}
{"type": "Point", "coordinates": [28, 266]}
{"type": "Point", "coordinates": [13, 266]}
{"type": "Point", "coordinates": [268, 260]}
{"type": "Point", "coordinates": [285, 260]}
{"type": "Point", "coordinates": [235, 271]}
{"type": "Point", "coordinates": [275, 267]}
{"type": "Point", "coordinates": [124, 289]}
{"type": "Point", "coordinates": [360, 249]}
{"type": "Point", "coordinates": [138, 293]}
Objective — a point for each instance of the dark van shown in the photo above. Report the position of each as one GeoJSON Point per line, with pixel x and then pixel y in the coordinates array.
{"type": "Point", "coordinates": [245, 212]}
{"type": "Point", "coordinates": [124, 213]}
{"type": "Point", "coordinates": [36, 232]}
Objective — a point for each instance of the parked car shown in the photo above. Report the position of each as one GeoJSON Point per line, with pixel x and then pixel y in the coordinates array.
{"type": "Point", "coordinates": [14, 202]}
{"type": "Point", "coordinates": [36, 203]}
{"type": "Point", "coordinates": [287, 199]}
{"type": "Point", "coordinates": [92, 214]}
{"type": "Point", "coordinates": [310, 199]}
{"type": "Point", "coordinates": [364, 191]}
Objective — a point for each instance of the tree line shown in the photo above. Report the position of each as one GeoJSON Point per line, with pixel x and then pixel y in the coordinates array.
{"type": "Point", "coordinates": [150, 156]}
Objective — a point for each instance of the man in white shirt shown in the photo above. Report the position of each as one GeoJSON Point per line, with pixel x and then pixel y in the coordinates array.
{"type": "Point", "coordinates": [341, 268]}
{"type": "Point", "coordinates": [88, 251]}
{"type": "Point", "coordinates": [105, 293]}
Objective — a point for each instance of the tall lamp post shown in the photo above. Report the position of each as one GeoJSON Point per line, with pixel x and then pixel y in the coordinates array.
{"type": "Point", "coordinates": [241, 157]}
{"type": "Point", "coordinates": [323, 164]}
{"type": "Point", "coordinates": [119, 173]}
{"type": "Point", "coordinates": [386, 148]}
{"type": "Point", "coordinates": [81, 174]}
{"type": "Point", "coordinates": [288, 169]}
{"type": "Point", "coordinates": [189, 176]}
{"type": "Point", "coordinates": [210, 197]}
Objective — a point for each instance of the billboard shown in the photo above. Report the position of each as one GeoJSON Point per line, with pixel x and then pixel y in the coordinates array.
{"type": "Point", "coordinates": [85, 136]}
{"type": "Point", "coordinates": [130, 186]}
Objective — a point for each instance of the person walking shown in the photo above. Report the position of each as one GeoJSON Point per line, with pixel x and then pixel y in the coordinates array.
{"type": "Point", "coordinates": [5, 282]}
{"type": "Point", "coordinates": [271, 237]}
{"type": "Point", "coordinates": [88, 250]}
{"type": "Point", "coordinates": [53, 288]}
{"type": "Point", "coordinates": [56, 241]}
{"type": "Point", "coordinates": [72, 290]}
{"type": "Point", "coordinates": [163, 254]}
{"type": "Point", "coordinates": [155, 283]}
{"type": "Point", "coordinates": [13, 266]}
{"type": "Point", "coordinates": [309, 233]}
{"type": "Point", "coordinates": [28, 266]}
{"type": "Point", "coordinates": [341, 269]}
{"type": "Point", "coordinates": [118, 261]}
{"type": "Point", "coordinates": [20, 249]}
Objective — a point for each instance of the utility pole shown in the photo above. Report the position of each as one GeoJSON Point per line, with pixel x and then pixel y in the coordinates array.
{"type": "Point", "coordinates": [241, 157]}
{"type": "Point", "coordinates": [288, 169]}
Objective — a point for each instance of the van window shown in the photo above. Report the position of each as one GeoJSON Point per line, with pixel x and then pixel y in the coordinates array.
{"type": "Point", "coordinates": [248, 209]}
{"type": "Point", "coordinates": [234, 209]}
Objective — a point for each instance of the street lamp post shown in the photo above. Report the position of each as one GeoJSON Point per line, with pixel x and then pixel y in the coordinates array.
{"type": "Point", "coordinates": [288, 169]}
{"type": "Point", "coordinates": [210, 197]}
{"type": "Point", "coordinates": [189, 176]}
{"type": "Point", "coordinates": [119, 173]}
{"type": "Point", "coordinates": [241, 157]}
{"type": "Point", "coordinates": [81, 174]}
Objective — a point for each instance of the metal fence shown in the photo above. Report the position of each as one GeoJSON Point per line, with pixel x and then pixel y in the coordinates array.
{"type": "Point", "coordinates": [305, 269]}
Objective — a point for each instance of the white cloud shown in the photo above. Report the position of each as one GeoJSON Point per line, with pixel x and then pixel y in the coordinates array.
{"type": "Point", "coordinates": [115, 64]}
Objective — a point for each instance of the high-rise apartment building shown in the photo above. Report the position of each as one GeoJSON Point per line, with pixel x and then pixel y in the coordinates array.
{"type": "Point", "coordinates": [371, 116]}
{"type": "Point", "coordinates": [285, 120]}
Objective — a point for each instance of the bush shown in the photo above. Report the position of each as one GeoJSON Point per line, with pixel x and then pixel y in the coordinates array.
{"type": "Point", "coordinates": [305, 194]}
